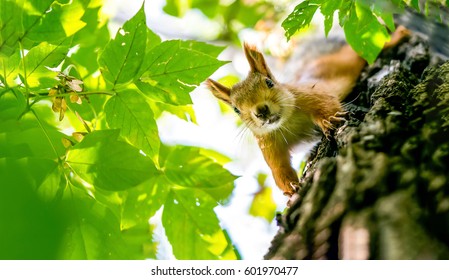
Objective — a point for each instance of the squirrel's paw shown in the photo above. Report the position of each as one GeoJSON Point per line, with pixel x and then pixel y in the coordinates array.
{"type": "Point", "coordinates": [338, 118]}
{"type": "Point", "coordinates": [334, 121]}
{"type": "Point", "coordinates": [293, 187]}
{"type": "Point", "coordinates": [340, 115]}
{"type": "Point", "coordinates": [398, 35]}
{"type": "Point", "coordinates": [327, 127]}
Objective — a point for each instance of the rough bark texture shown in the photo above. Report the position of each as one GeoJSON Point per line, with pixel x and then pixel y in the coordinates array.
{"type": "Point", "coordinates": [380, 188]}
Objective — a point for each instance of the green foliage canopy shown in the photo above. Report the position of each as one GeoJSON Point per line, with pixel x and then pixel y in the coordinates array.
{"type": "Point", "coordinates": [366, 23]}
{"type": "Point", "coordinates": [82, 167]}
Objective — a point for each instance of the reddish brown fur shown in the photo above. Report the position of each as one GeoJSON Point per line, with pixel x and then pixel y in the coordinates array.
{"type": "Point", "coordinates": [294, 110]}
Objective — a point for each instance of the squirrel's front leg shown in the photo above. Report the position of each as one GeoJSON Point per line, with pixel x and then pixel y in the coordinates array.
{"type": "Point", "coordinates": [278, 159]}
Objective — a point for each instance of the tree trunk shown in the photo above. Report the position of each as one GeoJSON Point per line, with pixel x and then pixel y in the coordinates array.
{"type": "Point", "coordinates": [380, 188]}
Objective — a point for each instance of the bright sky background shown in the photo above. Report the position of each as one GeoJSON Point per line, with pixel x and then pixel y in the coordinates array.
{"type": "Point", "coordinates": [252, 236]}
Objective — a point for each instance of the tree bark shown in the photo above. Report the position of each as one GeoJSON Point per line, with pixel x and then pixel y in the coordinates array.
{"type": "Point", "coordinates": [380, 188]}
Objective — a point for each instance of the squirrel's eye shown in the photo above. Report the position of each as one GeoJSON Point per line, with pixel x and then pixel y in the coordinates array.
{"type": "Point", "coordinates": [236, 110]}
{"type": "Point", "coordinates": [269, 83]}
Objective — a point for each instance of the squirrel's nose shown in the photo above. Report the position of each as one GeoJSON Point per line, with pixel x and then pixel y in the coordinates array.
{"type": "Point", "coordinates": [262, 111]}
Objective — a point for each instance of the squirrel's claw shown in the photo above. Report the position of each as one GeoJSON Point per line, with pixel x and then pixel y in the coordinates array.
{"type": "Point", "coordinates": [293, 188]}
{"type": "Point", "coordinates": [327, 126]}
{"type": "Point", "coordinates": [338, 118]}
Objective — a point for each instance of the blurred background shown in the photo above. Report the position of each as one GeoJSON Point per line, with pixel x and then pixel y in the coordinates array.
{"type": "Point", "coordinates": [249, 217]}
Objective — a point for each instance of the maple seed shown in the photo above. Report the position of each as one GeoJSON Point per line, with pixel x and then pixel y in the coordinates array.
{"type": "Point", "coordinates": [79, 136]}
{"type": "Point", "coordinates": [74, 85]}
{"type": "Point", "coordinates": [67, 143]}
{"type": "Point", "coordinates": [75, 98]}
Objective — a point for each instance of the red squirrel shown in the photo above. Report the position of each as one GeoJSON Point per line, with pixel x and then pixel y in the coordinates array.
{"type": "Point", "coordinates": [282, 115]}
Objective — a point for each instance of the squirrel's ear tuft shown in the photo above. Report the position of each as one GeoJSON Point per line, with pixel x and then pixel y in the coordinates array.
{"type": "Point", "coordinates": [256, 60]}
{"type": "Point", "coordinates": [220, 91]}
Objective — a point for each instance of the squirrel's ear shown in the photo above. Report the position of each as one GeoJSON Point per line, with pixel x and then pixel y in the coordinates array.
{"type": "Point", "coordinates": [220, 91]}
{"type": "Point", "coordinates": [257, 61]}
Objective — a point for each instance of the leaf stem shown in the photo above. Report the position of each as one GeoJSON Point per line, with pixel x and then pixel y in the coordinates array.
{"type": "Point", "coordinates": [25, 76]}
{"type": "Point", "coordinates": [46, 135]}
{"type": "Point", "coordinates": [4, 73]}
{"type": "Point", "coordinates": [39, 97]}
{"type": "Point", "coordinates": [110, 93]}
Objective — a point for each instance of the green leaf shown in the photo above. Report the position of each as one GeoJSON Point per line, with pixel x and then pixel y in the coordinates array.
{"type": "Point", "coordinates": [31, 229]}
{"type": "Point", "coordinates": [174, 68]}
{"type": "Point", "coordinates": [389, 20]}
{"type": "Point", "coordinates": [201, 47]}
{"type": "Point", "coordinates": [385, 11]}
{"type": "Point", "coordinates": [152, 39]}
{"type": "Point", "coordinates": [110, 164]}
{"type": "Point", "coordinates": [201, 237]}
{"type": "Point", "coordinates": [215, 156]}
{"type": "Point", "coordinates": [364, 33]}
{"type": "Point", "coordinates": [179, 8]}
{"type": "Point", "coordinates": [31, 136]}
{"type": "Point", "coordinates": [30, 179]}
{"type": "Point", "coordinates": [263, 204]}
{"type": "Point", "coordinates": [52, 221]}
{"type": "Point", "coordinates": [95, 33]}
{"type": "Point", "coordinates": [328, 22]}
{"type": "Point", "coordinates": [328, 9]}
{"type": "Point", "coordinates": [164, 93]}
{"type": "Point", "coordinates": [209, 7]}
{"type": "Point", "coordinates": [190, 167]}
{"type": "Point", "coordinates": [56, 23]}
{"type": "Point", "coordinates": [129, 112]}
{"type": "Point", "coordinates": [92, 231]}
{"type": "Point", "coordinates": [185, 112]}
{"type": "Point", "coordinates": [85, 59]}
{"type": "Point", "coordinates": [36, 170]}
{"type": "Point", "coordinates": [300, 17]}
{"type": "Point", "coordinates": [415, 4]}
{"type": "Point", "coordinates": [32, 22]}
{"type": "Point", "coordinates": [246, 14]}
{"type": "Point", "coordinates": [54, 184]}
{"type": "Point", "coordinates": [122, 57]}
{"type": "Point", "coordinates": [176, 8]}
{"type": "Point", "coordinates": [10, 68]}
{"type": "Point", "coordinates": [139, 242]}
{"type": "Point", "coordinates": [142, 202]}
{"type": "Point", "coordinates": [38, 59]}
{"type": "Point", "coordinates": [12, 104]}
{"type": "Point", "coordinates": [90, 40]}
{"type": "Point", "coordinates": [344, 12]}
{"type": "Point", "coordinates": [10, 26]}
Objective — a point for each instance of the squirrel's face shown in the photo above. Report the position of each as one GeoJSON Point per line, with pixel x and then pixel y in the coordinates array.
{"type": "Point", "coordinates": [262, 103]}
